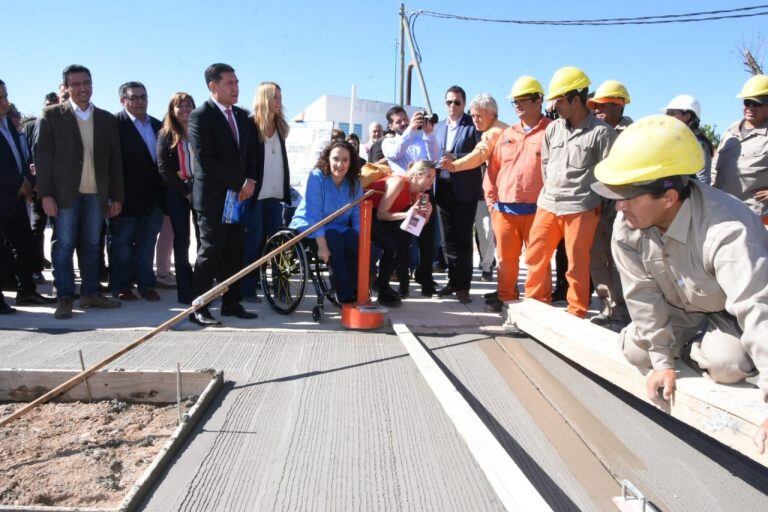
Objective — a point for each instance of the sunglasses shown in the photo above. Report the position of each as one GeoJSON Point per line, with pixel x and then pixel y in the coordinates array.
{"type": "Point", "coordinates": [456, 103]}
{"type": "Point", "coordinates": [752, 104]}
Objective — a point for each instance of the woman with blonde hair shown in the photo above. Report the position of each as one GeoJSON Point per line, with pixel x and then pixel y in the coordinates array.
{"type": "Point", "coordinates": [399, 195]}
{"type": "Point", "coordinates": [264, 214]}
{"type": "Point", "coordinates": [174, 161]}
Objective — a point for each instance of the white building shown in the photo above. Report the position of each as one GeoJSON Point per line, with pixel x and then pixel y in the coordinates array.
{"type": "Point", "coordinates": [336, 109]}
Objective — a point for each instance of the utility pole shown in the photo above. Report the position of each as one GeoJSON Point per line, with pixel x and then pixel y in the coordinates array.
{"type": "Point", "coordinates": [406, 30]}
{"type": "Point", "coordinates": [402, 52]}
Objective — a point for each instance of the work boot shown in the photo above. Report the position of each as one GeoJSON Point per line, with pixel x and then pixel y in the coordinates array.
{"type": "Point", "coordinates": [494, 306]}
{"type": "Point", "coordinates": [63, 309]}
{"type": "Point", "coordinates": [601, 319]}
{"type": "Point", "coordinates": [491, 296]}
{"type": "Point", "coordinates": [98, 301]}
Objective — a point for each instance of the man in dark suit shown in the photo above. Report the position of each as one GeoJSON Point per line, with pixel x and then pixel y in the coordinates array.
{"type": "Point", "coordinates": [133, 233]}
{"type": "Point", "coordinates": [15, 187]}
{"type": "Point", "coordinates": [80, 182]}
{"type": "Point", "coordinates": [457, 194]}
{"type": "Point", "coordinates": [226, 151]}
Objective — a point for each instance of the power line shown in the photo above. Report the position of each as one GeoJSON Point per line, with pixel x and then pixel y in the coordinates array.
{"type": "Point", "coordinates": [691, 17]}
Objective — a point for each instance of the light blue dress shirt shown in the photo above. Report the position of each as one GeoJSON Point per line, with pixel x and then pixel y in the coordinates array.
{"type": "Point", "coordinates": [411, 146]}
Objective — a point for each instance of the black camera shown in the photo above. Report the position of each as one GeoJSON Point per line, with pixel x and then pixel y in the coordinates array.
{"type": "Point", "coordinates": [430, 119]}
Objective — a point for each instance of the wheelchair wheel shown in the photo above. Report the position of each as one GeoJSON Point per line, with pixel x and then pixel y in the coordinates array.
{"type": "Point", "coordinates": [284, 277]}
{"type": "Point", "coordinates": [322, 274]}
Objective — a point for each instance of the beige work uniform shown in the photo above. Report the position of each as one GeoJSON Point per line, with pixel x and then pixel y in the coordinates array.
{"type": "Point", "coordinates": [740, 166]}
{"type": "Point", "coordinates": [708, 271]}
{"type": "Point", "coordinates": [602, 268]}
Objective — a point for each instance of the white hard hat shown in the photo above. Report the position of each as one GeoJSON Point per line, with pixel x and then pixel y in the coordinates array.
{"type": "Point", "coordinates": [683, 102]}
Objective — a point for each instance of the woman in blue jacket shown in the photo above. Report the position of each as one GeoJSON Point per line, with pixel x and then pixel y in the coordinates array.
{"type": "Point", "coordinates": [331, 185]}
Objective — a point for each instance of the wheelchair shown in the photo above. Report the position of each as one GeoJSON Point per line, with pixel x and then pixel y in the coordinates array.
{"type": "Point", "coordinates": [284, 277]}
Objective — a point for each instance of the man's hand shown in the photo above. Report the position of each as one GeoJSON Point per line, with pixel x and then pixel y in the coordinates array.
{"type": "Point", "coordinates": [761, 437]}
{"type": "Point", "coordinates": [50, 207]}
{"type": "Point", "coordinates": [247, 191]}
{"type": "Point", "coordinates": [661, 379]}
{"type": "Point", "coordinates": [429, 128]}
{"type": "Point", "coordinates": [446, 162]}
{"type": "Point", "coordinates": [417, 121]}
{"type": "Point", "coordinates": [26, 190]}
{"type": "Point", "coordinates": [114, 209]}
{"type": "Point", "coordinates": [762, 195]}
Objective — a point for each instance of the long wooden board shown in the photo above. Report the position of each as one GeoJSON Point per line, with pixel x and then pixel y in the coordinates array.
{"type": "Point", "coordinates": [730, 414]}
{"type": "Point", "coordinates": [134, 386]}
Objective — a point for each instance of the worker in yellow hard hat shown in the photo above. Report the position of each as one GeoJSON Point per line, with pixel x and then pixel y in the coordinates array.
{"type": "Point", "coordinates": [568, 209]}
{"type": "Point", "coordinates": [740, 166]}
{"type": "Point", "coordinates": [691, 258]}
{"type": "Point", "coordinates": [608, 104]}
{"type": "Point", "coordinates": [512, 185]}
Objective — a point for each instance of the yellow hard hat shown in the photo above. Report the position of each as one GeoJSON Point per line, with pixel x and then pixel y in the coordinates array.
{"type": "Point", "coordinates": [524, 86]}
{"type": "Point", "coordinates": [566, 79]}
{"type": "Point", "coordinates": [610, 90]}
{"type": "Point", "coordinates": [755, 86]}
{"type": "Point", "coordinates": [654, 147]}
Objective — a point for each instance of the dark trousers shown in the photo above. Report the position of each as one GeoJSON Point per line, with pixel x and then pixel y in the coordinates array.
{"type": "Point", "coordinates": [17, 235]}
{"type": "Point", "coordinates": [219, 256]}
{"type": "Point", "coordinates": [426, 243]}
{"type": "Point", "coordinates": [394, 244]}
{"type": "Point", "coordinates": [179, 210]}
{"type": "Point", "coordinates": [343, 262]}
{"type": "Point", "coordinates": [39, 220]}
{"type": "Point", "coordinates": [458, 219]}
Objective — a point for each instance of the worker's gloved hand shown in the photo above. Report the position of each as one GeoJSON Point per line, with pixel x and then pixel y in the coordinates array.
{"type": "Point", "coordinates": [761, 437]}
{"type": "Point", "coordinates": [664, 380]}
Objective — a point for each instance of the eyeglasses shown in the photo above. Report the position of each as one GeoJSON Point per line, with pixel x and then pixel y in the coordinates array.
{"type": "Point", "coordinates": [143, 97]}
{"type": "Point", "coordinates": [752, 104]}
{"type": "Point", "coordinates": [456, 103]}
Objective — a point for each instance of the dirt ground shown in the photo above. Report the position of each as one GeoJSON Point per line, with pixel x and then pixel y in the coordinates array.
{"type": "Point", "coordinates": [80, 454]}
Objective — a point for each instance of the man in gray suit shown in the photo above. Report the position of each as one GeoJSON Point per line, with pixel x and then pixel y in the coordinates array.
{"type": "Point", "coordinates": [80, 182]}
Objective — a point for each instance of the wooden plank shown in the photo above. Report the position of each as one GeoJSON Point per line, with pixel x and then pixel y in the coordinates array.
{"type": "Point", "coordinates": [139, 386]}
{"type": "Point", "coordinates": [730, 414]}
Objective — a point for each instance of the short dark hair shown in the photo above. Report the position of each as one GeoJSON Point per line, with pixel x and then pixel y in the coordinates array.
{"type": "Point", "coordinates": [582, 94]}
{"type": "Point", "coordinates": [123, 89]}
{"type": "Point", "coordinates": [2, 83]}
{"type": "Point", "coordinates": [353, 136]}
{"type": "Point", "coordinates": [397, 109]}
{"type": "Point", "coordinates": [337, 134]}
{"type": "Point", "coordinates": [51, 97]}
{"type": "Point", "coordinates": [73, 68]}
{"type": "Point", "coordinates": [457, 90]}
{"type": "Point", "coordinates": [680, 184]}
{"type": "Point", "coordinates": [214, 71]}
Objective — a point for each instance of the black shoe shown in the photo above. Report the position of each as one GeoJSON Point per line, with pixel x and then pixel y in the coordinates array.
{"type": "Point", "coordinates": [463, 296]}
{"type": "Point", "coordinates": [490, 296]}
{"type": "Point", "coordinates": [238, 311]}
{"type": "Point", "coordinates": [486, 276]}
{"type": "Point", "coordinates": [46, 263]}
{"type": "Point", "coordinates": [203, 318]}
{"type": "Point", "coordinates": [428, 290]}
{"type": "Point", "coordinates": [388, 297]}
{"type": "Point", "coordinates": [403, 290]}
{"type": "Point", "coordinates": [5, 309]}
{"type": "Point", "coordinates": [39, 278]}
{"type": "Point", "coordinates": [559, 295]}
{"type": "Point", "coordinates": [34, 299]}
{"type": "Point", "coordinates": [494, 306]}
{"type": "Point", "coordinates": [448, 290]}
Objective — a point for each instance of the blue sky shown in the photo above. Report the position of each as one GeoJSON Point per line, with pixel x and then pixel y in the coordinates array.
{"type": "Point", "coordinates": [313, 48]}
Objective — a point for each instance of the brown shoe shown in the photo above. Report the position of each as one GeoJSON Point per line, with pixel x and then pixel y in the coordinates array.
{"type": "Point", "coordinates": [98, 301]}
{"type": "Point", "coordinates": [150, 295]}
{"type": "Point", "coordinates": [463, 296]}
{"type": "Point", "coordinates": [63, 309]}
{"type": "Point", "coordinates": [126, 295]}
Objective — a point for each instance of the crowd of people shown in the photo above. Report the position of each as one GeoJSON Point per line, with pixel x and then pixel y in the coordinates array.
{"type": "Point", "coordinates": [666, 228]}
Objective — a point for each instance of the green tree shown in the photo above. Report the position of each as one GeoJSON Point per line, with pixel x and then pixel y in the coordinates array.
{"type": "Point", "coordinates": [709, 131]}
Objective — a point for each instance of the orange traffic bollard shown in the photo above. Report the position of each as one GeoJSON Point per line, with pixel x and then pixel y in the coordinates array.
{"type": "Point", "coordinates": [364, 314]}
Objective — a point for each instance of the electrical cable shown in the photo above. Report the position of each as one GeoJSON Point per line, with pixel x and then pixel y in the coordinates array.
{"type": "Point", "coordinates": [692, 17]}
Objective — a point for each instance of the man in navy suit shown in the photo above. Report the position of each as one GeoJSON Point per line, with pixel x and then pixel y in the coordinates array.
{"type": "Point", "coordinates": [226, 156]}
{"type": "Point", "coordinates": [15, 188]}
{"type": "Point", "coordinates": [457, 193]}
{"type": "Point", "coordinates": [133, 233]}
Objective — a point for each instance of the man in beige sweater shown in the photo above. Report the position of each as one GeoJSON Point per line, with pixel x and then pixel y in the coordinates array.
{"type": "Point", "coordinates": [80, 181]}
